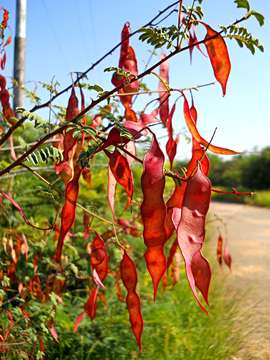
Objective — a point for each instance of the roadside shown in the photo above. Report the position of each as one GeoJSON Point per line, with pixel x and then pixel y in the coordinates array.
{"type": "Point", "coordinates": [249, 240]}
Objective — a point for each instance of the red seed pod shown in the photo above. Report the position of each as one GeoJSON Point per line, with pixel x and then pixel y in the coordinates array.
{"type": "Point", "coordinates": [227, 257]}
{"type": "Point", "coordinates": [127, 62]}
{"type": "Point", "coordinates": [121, 171]}
{"type": "Point", "coordinates": [90, 307]}
{"type": "Point", "coordinates": [68, 210]}
{"type": "Point", "coordinates": [7, 111]}
{"type": "Point", "coordinates": [129, 277]}
{"type": "Point", "coordinates": [193, 40]}
{"type": "Point", "coordinates": [171, 145]}
{"type": "Point", "coordinates": [71, 113]}
{"type": "Point", "coordinates": [191, 233]}
{"type": "Point", "coordinates": [219, 249]}
{"type": "Point", "coordinates": [153, 212]}
{"type": "Point", "coordinates": [164, 96]}
{"type": "Point", "coordinates": [219, 56]}
{"type": "Point", "coordinates": [100, 265]}
{"type": "Point", "coordinates": [196, 135]}
{"type": "Point", "coordinates": [99, 258]}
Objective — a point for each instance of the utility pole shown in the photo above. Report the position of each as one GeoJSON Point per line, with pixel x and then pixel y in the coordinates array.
{"type": "Point", "coordinates": [19, 52]}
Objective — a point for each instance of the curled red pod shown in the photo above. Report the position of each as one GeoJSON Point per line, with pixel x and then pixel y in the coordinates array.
{"type": "Point", "coordinates": [219, 249]}
{"type": "Point", "coordinates": [227, 257]}
{"type": "Point", "coordinates": [191, 43]}
{"type": "Point", "coordinates": [8, 113]}
{"type": "Point", "coordinates": [218, 55]}
{"type": "Point", "coordinates": [171, 145]}
{"type": "Point", "coordinates": [111, 190]}
{"type": "Point", "coordinates": [175, 201]}
{"type": "Point", "coordinates": [124, 43]}
{"type": "Point", "coordinates": [130, 114]}
{"type": "Point", "coordinates": [146, 119]}
{"type": "Point", "coordinates": [100, 265]}
{"type": "Point", "coordinates": [196, 135]}
{"type": "Point", "coordinates": [128, 275]}
{"type": "Point", "coordinates": [86, 225]}
{"type": "Point", "coordinates": [90, 307]}
{"type": "Point", "coordinates": [71, 112]}
{"type": "Point", "coordinates": [114, 138]}
{"type": "Point", "coordinates": [99, 258]}
{"type": "Point", "coordinates": [130, 65]}
{"type": "Point", "coordinates": [99, 261]}
{"type": "Point", "coordinates": [122, 173]}
{"type": "Point", "coordinates": [4, 22]}
{"type": "Point", "coordinates": [127, 62]}
{"type": "Point", "coordinates": [156, 264]}
{"type": "Point", "coordinates": [68, 210]}
{"type": "Point", "coordinates": [153, 212]}
{"type": "Point", "coordinates": [202, 274]}
{"type": "Point", "coordinates": [198, 153]}
{"type": "Point", "coordinates": [164, 95]}
{"type": "Point", "coordinates": [191, 233]}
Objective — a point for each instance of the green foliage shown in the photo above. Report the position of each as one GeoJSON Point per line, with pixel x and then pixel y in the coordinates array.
{"type": "Point", "coordinates": [44, 155]}
{"type": "Point", "coordinates": [119, 71]}
{"type": "Point", "coordinates": [90, 87]}
{"type": "Point", "coordinates": [243, 37]}
{"type": "Point", "coordinates": [50, 87]}
{"type": "Point", "coordinates": [256, 170]}
{"type": "Point", "coordinates": [244, 4]}
{"type": "Point", "coordinates": [160, 36]}
{"type": "Point", "coordinates": [37, 119]}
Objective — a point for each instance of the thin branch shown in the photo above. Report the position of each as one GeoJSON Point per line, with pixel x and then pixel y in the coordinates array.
{"type": "Point", "coordinates": [23, 171]}
{"type": "Point", "coordinates": [179, 20]}
{"type": "Point", "coordinates": [27, 145]}
{"type": "Point", "coordinates": [234, 192]}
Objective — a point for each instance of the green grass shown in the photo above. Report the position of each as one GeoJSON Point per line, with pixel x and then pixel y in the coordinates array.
{"type": "Point", "coordinates": [178, 330]}
{"type": "Point", "coordinates": [261, 198]}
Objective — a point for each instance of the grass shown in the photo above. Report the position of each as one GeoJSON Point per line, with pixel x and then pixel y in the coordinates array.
{"type": "Point", "coordinates": [262, 198]}
{"type": "Point", "coordinates": [176, 329]}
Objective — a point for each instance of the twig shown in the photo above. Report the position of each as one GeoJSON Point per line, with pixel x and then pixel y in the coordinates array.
{"type": "Point", "coordinates": [234, 192]}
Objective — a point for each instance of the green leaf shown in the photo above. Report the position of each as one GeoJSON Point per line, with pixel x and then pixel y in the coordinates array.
{"type": "Point", "coordinates": [244, 4]}
{"type": "Point", "coordinates": [259, 17]}
{"type": "Point", "coordinates": [94, 87]}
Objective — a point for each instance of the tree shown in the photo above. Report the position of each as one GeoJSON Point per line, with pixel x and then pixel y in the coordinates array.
{"type": "Point", "coordinates": [107, 131]}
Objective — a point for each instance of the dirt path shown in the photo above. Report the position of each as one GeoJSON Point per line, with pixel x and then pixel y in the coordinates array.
{"type": "Point", "coordinates": [249, 241]}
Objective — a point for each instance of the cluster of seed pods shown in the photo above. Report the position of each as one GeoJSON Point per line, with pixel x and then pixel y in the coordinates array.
{"type": "Point", "coordinates": [183, 214]}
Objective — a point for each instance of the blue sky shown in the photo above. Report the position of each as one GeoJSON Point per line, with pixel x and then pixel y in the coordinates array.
{"type": "Point", "coordinates": [65, 36]}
